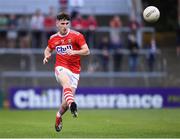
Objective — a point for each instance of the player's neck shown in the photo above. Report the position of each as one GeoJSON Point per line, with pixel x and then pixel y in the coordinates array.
{"type": "Point", "coordinates": [64, 35]}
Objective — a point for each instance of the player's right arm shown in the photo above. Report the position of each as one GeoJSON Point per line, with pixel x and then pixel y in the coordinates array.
{"type": "Point", "coordinates": [47, 54]}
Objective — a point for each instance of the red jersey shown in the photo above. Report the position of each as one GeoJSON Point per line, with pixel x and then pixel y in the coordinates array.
{"type": "Point", "coordinates": [72, 40]}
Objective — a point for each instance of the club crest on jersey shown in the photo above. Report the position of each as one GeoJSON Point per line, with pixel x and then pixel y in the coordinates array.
{"type": "Point", "coordinates": [69, 41]}
{"type": "Point", "coordinates": [62, 41]}
{"type": "Point", "coordinates": [62, 49]}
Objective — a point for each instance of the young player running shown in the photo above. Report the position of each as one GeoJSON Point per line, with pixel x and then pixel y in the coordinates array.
{"type": "Point", "coordinates": [69, 46]}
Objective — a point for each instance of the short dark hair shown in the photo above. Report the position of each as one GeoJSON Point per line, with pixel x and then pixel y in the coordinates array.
{"type": "Point", "coordinates": [63, 16]}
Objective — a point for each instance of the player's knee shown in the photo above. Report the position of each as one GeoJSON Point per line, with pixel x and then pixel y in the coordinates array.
{"type": "Point", "coordinates": [66, 85]}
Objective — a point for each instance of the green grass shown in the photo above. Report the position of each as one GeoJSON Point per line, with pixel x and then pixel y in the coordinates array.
{"type": "Point", "coordinates": [132, 123]}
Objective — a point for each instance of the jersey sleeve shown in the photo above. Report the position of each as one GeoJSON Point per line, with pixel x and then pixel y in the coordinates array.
{"type": "Point", "coordinates": [51, 44]}
{"type": "Point", "coordinates": [81, 40]}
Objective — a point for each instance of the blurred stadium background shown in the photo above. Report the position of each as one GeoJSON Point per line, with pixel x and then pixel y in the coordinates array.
{"type": "Point", "coordinates": [146, 76]}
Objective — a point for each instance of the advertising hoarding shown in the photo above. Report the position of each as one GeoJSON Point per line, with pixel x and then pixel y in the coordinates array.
{"type": "Point", "coordinates": [120, 98]}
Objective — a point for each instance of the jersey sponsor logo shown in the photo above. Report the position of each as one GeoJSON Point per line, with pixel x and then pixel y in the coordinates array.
{"type": "Point", "coordinates": [62, 49]}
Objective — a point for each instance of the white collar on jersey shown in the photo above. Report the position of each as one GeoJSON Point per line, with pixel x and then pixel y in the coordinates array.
{"type": "Point", "coordinates": [65, 34]}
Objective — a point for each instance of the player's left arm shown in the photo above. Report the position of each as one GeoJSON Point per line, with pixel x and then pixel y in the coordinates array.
{"type": "Point", "coordinates": [83, 51]}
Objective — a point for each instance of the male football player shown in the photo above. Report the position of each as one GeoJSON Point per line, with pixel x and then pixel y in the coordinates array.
{"type": "Point", "coordinates": [69, 46]}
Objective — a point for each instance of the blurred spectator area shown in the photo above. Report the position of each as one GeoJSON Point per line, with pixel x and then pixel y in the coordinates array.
{"type": "Point", "coordinates": [24, 67]}
{"type": "Point", "coordinates": [85, 6]}
{"type": "Point", "coordinates": [26, 6]}
{"type": "Point", "coordinates": [95, 16]}
{"type": "Point", "coordinates": [102, 8]}
{"type": "Point", "coordinates": [105, 7]}
{"type": "Point", "coordinates": [98, 20]}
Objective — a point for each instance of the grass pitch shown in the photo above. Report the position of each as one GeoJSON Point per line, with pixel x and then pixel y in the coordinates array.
{"type": "Point", "coordinates": [129, 123]}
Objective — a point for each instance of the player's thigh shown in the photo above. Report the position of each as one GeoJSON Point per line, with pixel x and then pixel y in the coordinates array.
{"type": "Point", "coordinates": [62, 76]}
{"type": "Point", "coordinates": [64, 79]}
{"type": "Point", "coordinates": [74, 79]}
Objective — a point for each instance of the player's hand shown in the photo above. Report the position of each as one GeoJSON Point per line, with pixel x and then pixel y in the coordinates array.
{"type": "Point", "coordinates": [70, 52]}
{"type": "Point", "coordinates": [45, 60]}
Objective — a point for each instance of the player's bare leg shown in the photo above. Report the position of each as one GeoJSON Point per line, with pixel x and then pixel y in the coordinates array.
{"type": "Point", "coordinates": [62, 78]}
{"type": "Point", "coordinates": [68, 92]}
{"type": "Point", "coordinates": [67, 102]}
{"type": "Point", "coordinates": [63, 108]}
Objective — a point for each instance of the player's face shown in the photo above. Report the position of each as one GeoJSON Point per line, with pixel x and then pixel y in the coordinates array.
{"type": "Point", "coordinates": [63, 26]}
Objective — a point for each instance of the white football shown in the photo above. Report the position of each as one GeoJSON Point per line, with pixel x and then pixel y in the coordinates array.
{"type": "Point", "coordinates": [151, 14]}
